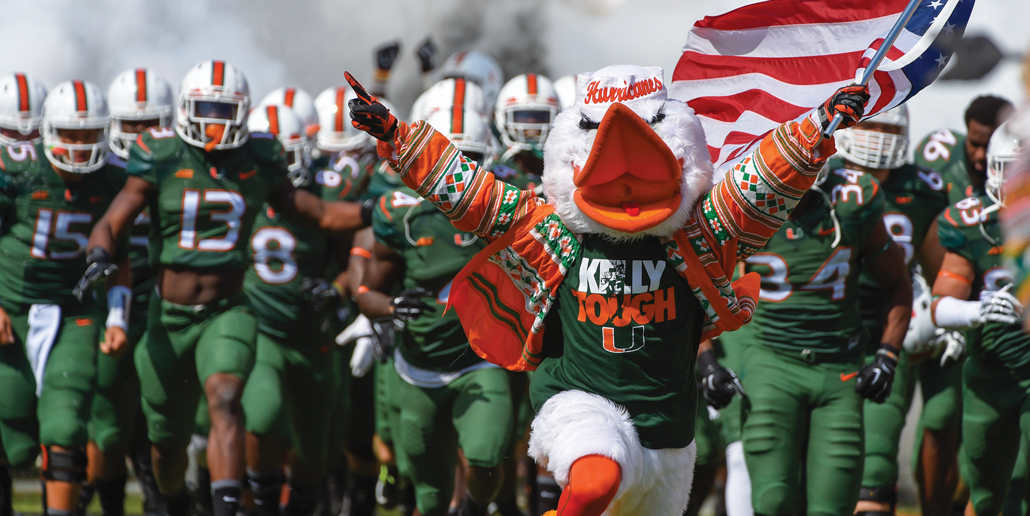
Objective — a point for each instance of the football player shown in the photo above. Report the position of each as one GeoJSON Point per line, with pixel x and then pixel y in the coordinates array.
{"type": "Point", "coordinates": [913, 197]}
{"type": "Point", "coordinates": [805, 375]}
{"type": "Point", "coordinates": [525, 108]}
{"type": "Point", "coordinates": [962, 159]}
{"type": "Point", "coordinates": [476, 66]}
{"type": "Point", "coordinates": [296, 361]}
{"type": "Point", "coordinates": [449, 398]}
{"type": "Point", "coordinates": [299, 102]}
{"type": "Point", "coordinates": [52, 195]}
{"type": "Point", "coordinates": [973, 291]}
{"type": "Point", "coordinates": [21, 108]}
{"type": "Point", "coordinates": [204, 182]}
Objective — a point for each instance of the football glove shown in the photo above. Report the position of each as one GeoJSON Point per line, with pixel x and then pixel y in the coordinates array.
{"type": "Point", "coordinates": [875, 379]}
{"type": "Point", "coordinates": [322, 294]}
{"type": "Point", "coordinates": [360, 333]}
{"type": "Point", "coordinates": [387, 54]}
{"type": "Point", "coordinates": [849, 101]}
{"type": "Point", "coordinates": [999, 306]}
{"type": "Point", "coordinates": [409, 306]}
{"type": "Point", "coordinates": [718, 384]}
{"type": "Point", "coordinates": [382, 338]}
{"type": "Point", "coordinates": [368, 114]}
{"type": "Point", "coordinates": [426, 53]}
{"type": "Point", "coordinates": [98, 265]}
{"type": "Point", "coordinates": [920, 337]}
{"type": "Point", "coordinates": [952, 345]}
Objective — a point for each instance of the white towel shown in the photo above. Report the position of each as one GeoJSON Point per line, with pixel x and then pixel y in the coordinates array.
{"type": "Point", "coordinates": [44, 323]}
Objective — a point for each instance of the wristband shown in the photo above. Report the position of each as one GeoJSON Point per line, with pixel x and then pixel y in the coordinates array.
{"type": "Point", "coordinates": [361, 251]}
{"type": "Point", "coordinates": [362, 289]}
{"type": "Point", "coordinates": [952, 313]}
{"type": "Point", "coordinates": [339, 288]}
{"type": "Point", "coordinates": [888, 351]}
{"type": "Point", "coordinates": [119, 302]}
{"type": "Point", "coordinates": [956, 277]}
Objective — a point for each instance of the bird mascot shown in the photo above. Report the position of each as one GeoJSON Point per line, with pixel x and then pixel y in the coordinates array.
{"type": "Point", "coordinates": [606, 289]}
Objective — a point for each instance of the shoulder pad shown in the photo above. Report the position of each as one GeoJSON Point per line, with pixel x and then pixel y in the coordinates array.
{"type": "Point", "coordinates": [963, 214]}
{"type": "Point", "coordinates": [938, 148]}
{"type": "Point", "coordinates": [21, 157]}
{"type": "Point", "coordinates": [850, 187]}
{"type": "Point", "coordinates": [159, 142]}
{"type": "Point", "coordinates": [265, 147]}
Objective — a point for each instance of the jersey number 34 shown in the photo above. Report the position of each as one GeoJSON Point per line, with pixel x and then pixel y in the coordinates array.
{"type": "Point", "coordinates": [832, 275]}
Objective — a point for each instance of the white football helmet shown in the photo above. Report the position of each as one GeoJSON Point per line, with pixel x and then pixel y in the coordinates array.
{"type": "Point", "coordinates": [525, 109]}
{"type": "Point", "coordinates": [477, 67]}
{"type": "Point", "coordinates": [565, 87]}
{"type": "Point", "coordinates": [75, 105]}
{"type": "Point", "coordinates": [136, 95]}
{"type": "Point", "coordinates": [280, 121]}
{"type": "Point", "coordinates": [21, 106]}
{"type": "Point", "coordinates": [335, 132]}
{"type": "Point", "coordinates": [1002, 149]}
{"type": "Point", "coordinates": [300, 102]}
{"type": "Point", "coordinates": [213, 93]}
{"type": "Point", "coordinates": [467, 131]}
{"type": "Point", "coordinates": [447, 93]}
{"type": "Point", "coordinates": [877, 149]}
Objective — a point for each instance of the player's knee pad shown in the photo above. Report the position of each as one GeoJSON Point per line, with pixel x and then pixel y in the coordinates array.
{"type": "Point", "coordinates": [64, 465]}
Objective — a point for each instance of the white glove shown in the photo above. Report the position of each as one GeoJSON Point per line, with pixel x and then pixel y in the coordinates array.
{"type": "Point", "coordinates": [952, 345]}
{"type": "Point", "coordinates": [361, 327]}
{"type": "Point", "coordinates": [1000, 306]}
{"type": "Point", "coordinates": [361, 361]}
{"type": "Point", "coordinates": [921, 329]}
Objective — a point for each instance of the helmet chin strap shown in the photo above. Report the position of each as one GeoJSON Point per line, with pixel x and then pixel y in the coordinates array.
{"type": "Point", "coordinates": [216, 132]}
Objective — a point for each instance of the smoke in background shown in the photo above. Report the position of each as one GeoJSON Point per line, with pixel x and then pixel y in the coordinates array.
{"type": "Point", "coordinates": [309, 43]}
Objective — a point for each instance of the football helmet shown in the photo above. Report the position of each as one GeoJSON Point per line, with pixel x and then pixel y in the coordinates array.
{"type": "Point", "coordinates": [280, 121]}
{"type": "Point", "coordinates": [873, 148]}
{"type": "Point", "coordinates": [21, 106]}
{"type": "Point", "coordinates": [467, 131]}
{"type": "Point", "coordinates": [335, 132]}
{"type": "Point", "coordinates": [75, 105]}
{"type": "Point", "coordinates": [525, 109]}
{"type": "Point", "coordinates": [137, 95]}
{"type": "Point", "coordinates": [300, 102]}
{"type": "Point", "coordinates": [565, 87]}
{"type": "Point", "coordinates": [477, 67]}
{"type": "Point", "coordinates": [1002, 149]}
{"type": "Point", "coordinates": [213, 93]}
{"type": "Point", "coordinates": [448, 93]}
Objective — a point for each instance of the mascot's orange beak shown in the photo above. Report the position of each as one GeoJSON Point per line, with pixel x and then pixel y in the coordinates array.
{"type": "Point", "coordinates": [631, 180]}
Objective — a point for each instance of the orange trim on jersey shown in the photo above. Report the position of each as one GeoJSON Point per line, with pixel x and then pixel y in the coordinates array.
{"type": "Point", "coordinates": [954, 276]}
{"type": "Point", "coordinates": [458, 111]}
{"type": "Point", "coordinates": [947, 217]}
{"type": "Point", "coordinates": [341, 93]}
{"type": "Point", "coordinates": [531, 83]}
{"type": "Point", "coordinates": [139, 141]}
{"type": "Point", "coordinates": [382, 206]}
{"type": "Point", "coordinates": [360, 251]}
{"type": "Point", "coordinates": [80, 96]}
{"type": "Point", "coordinates": [23, 92]}
{"type": "Point", "coordinates": [273, 120]}
{"type": "Point", "coordinates": [288, 97]}
{"type": "Point", "coordinates": [141, 85]}
{"type": "Point", "coordinates": [84, 322]}
{"type": "Point", "coordinates": [218, 73]}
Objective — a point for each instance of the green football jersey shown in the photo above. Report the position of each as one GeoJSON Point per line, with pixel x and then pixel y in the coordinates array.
{"type": "Point", "coordinates": [384, 178]}
{"type": "Point", "coordinates": [630, 328]}
{"type": "Point", "coordinates": [965, 230]}
{"type": "Point", "coordinates": [433, 252]}
{"type": "Point", "coordinates": [354, 173]}
{"type": "Point", "coordinates": [945, 152]}
{"type": "Point", "coordinates": [809, 296]}
{"type": "Point", "coordinates": [205, 203]}
{"type": "Point", "coordinates": [284, 253]}
{"type": "Point", "coordinates": [46, 225]}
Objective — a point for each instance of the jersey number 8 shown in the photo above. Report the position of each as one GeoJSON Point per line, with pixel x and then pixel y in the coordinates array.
{"type": "Point", "coordinates": [282, 252]}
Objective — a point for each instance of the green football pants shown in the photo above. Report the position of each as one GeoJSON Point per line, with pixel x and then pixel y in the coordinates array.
{"type": "Point", "coordinates": [995, 424]}
{"type": "Point", "coordinates": [731, 347]}
{"type": "Point", "coordinates": [473, 413]}
{"type": "Point", "coordinates": [802, 417]}
{"type": "Point", "coordinates": [59, 417]}
{"type": "Point", "coordinates": [116, 400]}
{"type": "Point", "coordinates": [883, 425]}
{"type": "Point", "coordinates": [183, 347]}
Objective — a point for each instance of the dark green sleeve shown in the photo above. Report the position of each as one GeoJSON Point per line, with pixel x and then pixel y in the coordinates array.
{"type": "Point", "coordinates": [388, 223]}
{"type": "Point", "coordinates": [141, 161]}
{"type": "Point", "coordinates": [951, 235]}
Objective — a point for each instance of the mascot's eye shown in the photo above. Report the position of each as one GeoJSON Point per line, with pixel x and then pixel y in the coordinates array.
{"type": "Point", "coordinates": [587, 124]}
{"type": "Point", "coordinates": [659, 116]}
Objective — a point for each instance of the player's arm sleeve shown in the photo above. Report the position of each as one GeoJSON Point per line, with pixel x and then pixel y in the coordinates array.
{"type": "Point", "coordinates": [470, 196]}
{"type": "Point", "coordinates": [755, 197]}
{"type": "Point", "coordinates": [141, 161]}
{"type": "Point", "coordinates": [387, 224]}
{"type": "Point", "coordinates": [950, 231]}
{"type": "Point", "coordinates": [873, 206]}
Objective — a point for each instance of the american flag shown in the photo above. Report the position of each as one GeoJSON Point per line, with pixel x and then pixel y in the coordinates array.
{"type": "Point", "coordinates": [753, 68]}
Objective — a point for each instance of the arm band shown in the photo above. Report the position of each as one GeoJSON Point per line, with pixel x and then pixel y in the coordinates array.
{"type": "Point", "coordinates": [956, 314]}
{"type": "Point", "coordinates": [957, 277]}
{"type": "Point", "coordinates": [361, 251]}
{"type": "Point", "coordinates": [119, 301]}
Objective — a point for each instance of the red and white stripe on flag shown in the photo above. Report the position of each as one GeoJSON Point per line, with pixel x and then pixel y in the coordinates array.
{"type": "Point", "coordinates": [753, 68]}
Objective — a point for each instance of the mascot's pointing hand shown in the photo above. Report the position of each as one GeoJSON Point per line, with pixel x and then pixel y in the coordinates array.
{"type": "Point", "coordinates": [368, 114]}
{"type": "Point", "coordinates": [849, 101]}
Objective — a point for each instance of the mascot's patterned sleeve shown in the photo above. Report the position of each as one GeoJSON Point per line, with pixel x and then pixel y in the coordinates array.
{"type": "Point", "coordinates": [470, 196]}
{"type": "Point", "coordinates": [759, 192]}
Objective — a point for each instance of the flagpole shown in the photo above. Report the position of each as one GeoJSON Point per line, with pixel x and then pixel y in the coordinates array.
{"type": "Point", "coordinates": [874, 63]}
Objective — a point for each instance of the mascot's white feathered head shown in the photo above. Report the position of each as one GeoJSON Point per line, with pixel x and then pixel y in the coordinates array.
{"type": "Point", "coordinates": [625, 161]}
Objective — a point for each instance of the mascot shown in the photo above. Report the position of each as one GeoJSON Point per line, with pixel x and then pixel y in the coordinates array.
{"type": "Point", "coordinates": [607, 288]}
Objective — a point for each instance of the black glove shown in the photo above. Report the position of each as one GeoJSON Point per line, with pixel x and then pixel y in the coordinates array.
{"type": "Point", "coordinates": [98, 265]}
{"type": "Point", "coordinates": [322, 294]}
{"type": "Point", "coordinates": [875, 379]}
{"type": "Point", "coordinates": [368, 114]}
{"type": "Point", "coordinates": [849, 101]}
{"type": "Point", "coordinates": [367, 206]}
{"type": "Point", "coordinates": [409, 306]}
{"type": "Point", "coordinates": [387, 54]}
{"type": "Point", "coordinates": [382, 338]}
{"type": "Point", "coordinates": [718, 384]}
{"type": "Point", "coordinates": [426, 53]}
